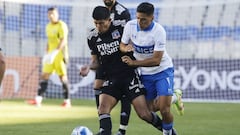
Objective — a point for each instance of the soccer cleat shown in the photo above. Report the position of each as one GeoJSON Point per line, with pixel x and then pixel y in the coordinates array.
{"type": "Point", "coordinates": [33, 102]}
{"type": "Point", "coordinates": [119, 133]}
{"type": "Point", "coordinates": [66, 104]}
{"type": "Point", "coordinates": [174, 132]}
{"type": "Point", "coordinates": [179, 104]}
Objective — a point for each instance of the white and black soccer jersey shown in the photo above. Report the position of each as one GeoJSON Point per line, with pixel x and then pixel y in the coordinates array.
{"type": "Point", "coordinates": [106, 47]}
{"type": "Point", "coordinates": [119, 15]}
{"type": "Point", "coordinates": [145, 42]}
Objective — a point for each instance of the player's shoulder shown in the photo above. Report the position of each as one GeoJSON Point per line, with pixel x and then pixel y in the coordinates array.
{"type": "Point", "coordinates": [62, 23]}
{"type": "Point", "coordinates": [92, 33]}
{"type": "Point", "coordinates": [158, 26]}
{"type": "Point", "coordinates": [120, 8]}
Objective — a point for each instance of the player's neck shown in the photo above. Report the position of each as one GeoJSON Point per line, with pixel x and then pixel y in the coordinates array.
{"type": "Point", "coordinates": [55, 22]}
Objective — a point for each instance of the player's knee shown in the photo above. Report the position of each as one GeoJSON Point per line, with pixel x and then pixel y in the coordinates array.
{"type": "Point", "coordinates": [165, 112]}
{"type": "Point", "coordinates": [144, 115]}
{"type": "Point", "coordinates": [103, 109]}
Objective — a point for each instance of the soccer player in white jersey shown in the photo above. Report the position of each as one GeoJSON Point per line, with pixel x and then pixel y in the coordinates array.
{"type": "Point", "coordinates": [148, 40]}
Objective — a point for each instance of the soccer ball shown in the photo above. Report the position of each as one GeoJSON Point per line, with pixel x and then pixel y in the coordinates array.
{"type": "Point", "coordinates": [81, 130]}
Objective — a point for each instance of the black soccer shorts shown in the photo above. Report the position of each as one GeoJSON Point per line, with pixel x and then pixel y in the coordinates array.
{"type": "Point", "coordinates": [129, 85]}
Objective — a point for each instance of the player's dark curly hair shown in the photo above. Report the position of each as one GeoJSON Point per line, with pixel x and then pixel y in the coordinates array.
{"type": "Point", "coordinates": [100, 13]}
{"type": "Point", "coordinates": [146, 8]}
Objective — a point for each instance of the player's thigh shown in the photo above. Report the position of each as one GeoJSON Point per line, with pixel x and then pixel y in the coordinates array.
{"type": "Point", "coordinates": [164, 86]}
{"type": "Point", "coordinates": [149, 85]}
{"type": "Point", "coordinates": [47, 69]}
{"type": "Point", "coordinates": [163, 104]}
{"type": "Point", "coordinates": [106, 103]}
{"type": "Point", "coordinates": [140, 106]}
{"type": "Point", "coordinates": [60, 67]}
{"type": "Point", "coordinates": [98, 83]}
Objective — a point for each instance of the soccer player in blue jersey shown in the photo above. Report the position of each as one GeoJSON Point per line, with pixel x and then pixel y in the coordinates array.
{"type": "Point", "coordinates": [148, 42]}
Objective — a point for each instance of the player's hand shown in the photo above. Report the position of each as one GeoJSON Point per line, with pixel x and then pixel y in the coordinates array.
{"type": "Point", "coordinates": [46, 59]}
{"type": "Point", "coordinates": [84, 70]}
{"type": "Point", "coordinates": [127, 60]}
{"type": "Point", "coordinates": [128, 48]}
{"type": "Point", "coordinates": [49, 57]}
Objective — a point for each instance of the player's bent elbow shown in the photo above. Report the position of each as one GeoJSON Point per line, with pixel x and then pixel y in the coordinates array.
{"type": "Point", "coordinates": [2, 62]}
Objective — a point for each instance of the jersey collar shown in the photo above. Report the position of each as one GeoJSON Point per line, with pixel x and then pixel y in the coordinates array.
{"type": "Point", "coordinates": [146, 29]}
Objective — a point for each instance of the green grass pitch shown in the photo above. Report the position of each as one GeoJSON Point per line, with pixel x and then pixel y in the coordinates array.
{"type": "Point", "coordinates": [18, 118]}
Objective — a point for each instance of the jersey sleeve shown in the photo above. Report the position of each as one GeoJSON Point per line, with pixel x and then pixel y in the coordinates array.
{"type": "Point", "coordinates": [63, 31]}
{"type": "Point", "coordinates": [126, 34]}
{"type": "Point", "coordinates": [126, 16]}
{"type": "Point", "coordinates": [91, 40]}
{"type": "Point", "coordinates": [90, 45]}
{"type": "Point", "coordinates": [160, 39]}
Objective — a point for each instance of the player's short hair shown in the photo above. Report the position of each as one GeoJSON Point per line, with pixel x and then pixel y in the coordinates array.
{"type": "Point", "coordinates": [52, 8]}
{"type": "Point", "coordinates": [146, 8]}
{"type": "Point", "coordinates": [100, 13]}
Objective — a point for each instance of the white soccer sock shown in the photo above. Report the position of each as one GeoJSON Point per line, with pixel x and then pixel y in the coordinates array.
{"type": "Point", "coordinates": [167, 132]}
{"type": "Point", "coordinates": [123, 127]}
{"type": "Point", "coordinates": [174, 98]}
{"type": "Point", "coordinates": [38, 99]}
{"type": "Point", "coordinates": [68, 101]}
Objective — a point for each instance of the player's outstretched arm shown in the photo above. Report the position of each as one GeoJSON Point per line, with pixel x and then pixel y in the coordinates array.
{"type": "Point", "coordinates": [86, 68]}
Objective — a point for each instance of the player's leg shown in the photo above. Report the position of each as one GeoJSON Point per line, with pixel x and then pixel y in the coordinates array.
{"type": "Point", "coordinates": [98, 83]}
{"type": "Point", "coordinates": [177, 101]}
{"type": "Point", "coordinates": [43, 83]}
{"type": "Point", "coordinates": [61, 70]}
{"type": "Point", "coordinates": [164, 87]}
{"type": "Point", "coordinates": [124, 115]}
{"type": "Point", "coordinates": [47, 70]}
{"type": "Point", "coordinates": [136, 94]}
{"type": "Point", "coordinates": [140, 106]}
{"type": "Point", "coordinates": [2, 66]}
{"type": "Point", "coordinates": [106, 103]}
{"type": "Point", "coordinates": [154, 104]}
{"type": "Point", "coordinates": [96, 86]}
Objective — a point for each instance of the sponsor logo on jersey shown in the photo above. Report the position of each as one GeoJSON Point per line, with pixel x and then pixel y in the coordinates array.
{"type": "Point", "coordinates": [116, 34]}
{"type": "Point", "coordinates": [108, 48]}
{"type": "Point", "coordinates": [144, 49]}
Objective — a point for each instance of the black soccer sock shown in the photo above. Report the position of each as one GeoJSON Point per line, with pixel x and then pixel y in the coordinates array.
{"type": "Point", "coordinates": [97, 97]}
{"type": "Point", "coordinates": [125, 114]}
{"type": "Point", "coordinates": [105, 124]}
{"type": "Point", "coordinates": [66, 93]}
{"type": "Point", "coordinates": [42, 87]}
{"type": "Point", "coordinates": [156, 121]}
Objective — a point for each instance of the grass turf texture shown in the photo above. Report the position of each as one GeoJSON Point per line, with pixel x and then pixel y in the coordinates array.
{"type": "Point", "coordinates": [18, 118]}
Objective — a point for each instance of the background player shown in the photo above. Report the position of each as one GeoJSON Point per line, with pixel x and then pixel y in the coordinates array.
{"type": "Point", "coordinates": [148, 43]}
{"type": "Point", "coordinates": [56, 57]}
